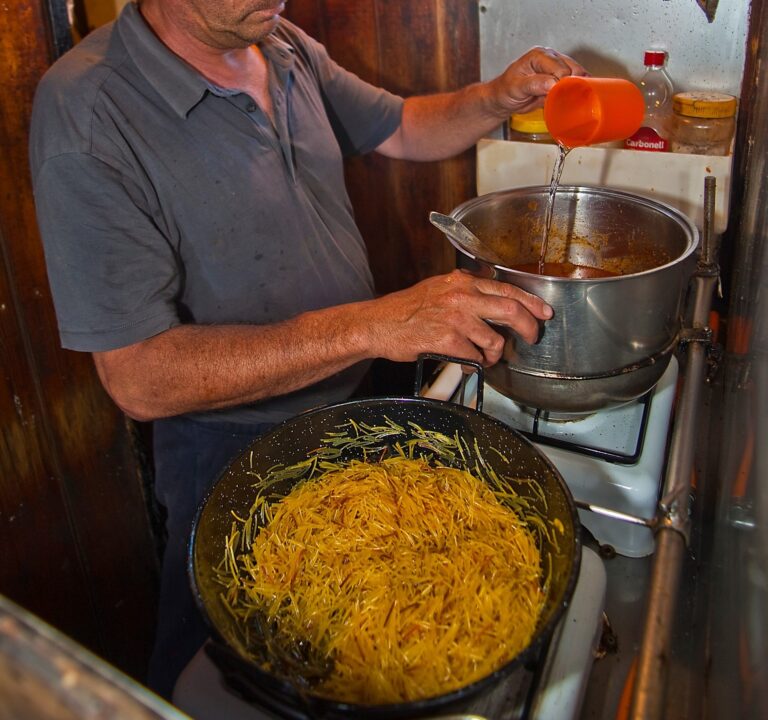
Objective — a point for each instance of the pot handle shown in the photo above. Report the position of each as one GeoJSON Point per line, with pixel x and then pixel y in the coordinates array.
{"type": "Point", "coordinates": [476, 367]}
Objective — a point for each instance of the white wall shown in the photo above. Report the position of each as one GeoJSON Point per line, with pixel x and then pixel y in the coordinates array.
{"type": "Point", "coordinates": [609, 36]}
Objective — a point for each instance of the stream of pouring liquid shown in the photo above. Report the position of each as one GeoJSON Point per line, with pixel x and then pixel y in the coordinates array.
{"type": "Point", "coordinates": [557, 171]}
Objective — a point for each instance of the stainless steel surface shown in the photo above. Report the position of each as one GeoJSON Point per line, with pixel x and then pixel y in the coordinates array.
{"type": "Point", "coordinates": [737, 613]}
{"type": "Point", "coordinates": [649, 696]}
{"type": "Point", "coordinates": [611, 338]}
{"type": "Point", "coordinates": [628, 580]}
{"type": "Point", "coordinates": [653, 660]}
{"type": "Point", "coordinates": [461, 235]}
{"type": "Point", "coordinates": [45, 675]}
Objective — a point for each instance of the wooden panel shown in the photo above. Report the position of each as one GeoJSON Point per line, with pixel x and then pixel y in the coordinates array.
{"type": "Point", "coordinates": [408, 47]}
{"type": "Point", "coordinates": [77, 547]}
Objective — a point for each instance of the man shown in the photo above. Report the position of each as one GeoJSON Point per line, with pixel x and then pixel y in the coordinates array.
{"type": "Point", "coordinates": [188, 171]}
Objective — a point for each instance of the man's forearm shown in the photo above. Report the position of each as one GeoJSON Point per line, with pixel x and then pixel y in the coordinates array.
{"type": "Point", "coordinates": [434, 127]}
{"type": "Point", "coordinates": [196, 367]}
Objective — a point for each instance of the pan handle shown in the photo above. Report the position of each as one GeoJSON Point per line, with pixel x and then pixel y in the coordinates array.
{"type": "Point", "coordinates": [616, 515]}
{"type": "Point", "coordinates": [476, 367]}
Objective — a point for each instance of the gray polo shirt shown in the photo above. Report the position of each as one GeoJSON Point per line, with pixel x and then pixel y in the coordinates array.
{"type": "Point", "coordinates": [163, 199]}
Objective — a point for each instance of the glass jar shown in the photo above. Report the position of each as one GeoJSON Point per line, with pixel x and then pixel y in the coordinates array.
{"type": "Point", "coordinates": [530, 127]}
{"type": "Point", "coordinates": [702, 123]}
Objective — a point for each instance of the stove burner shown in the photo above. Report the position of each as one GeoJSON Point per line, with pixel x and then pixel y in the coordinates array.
{"type": "Point", "coordinates": [538, 434]}
{"type": "Point", "coordinates": [550, 415]}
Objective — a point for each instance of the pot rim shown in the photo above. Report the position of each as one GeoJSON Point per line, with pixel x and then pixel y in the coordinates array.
{"type": "Point", "coordinates": [683, 220]}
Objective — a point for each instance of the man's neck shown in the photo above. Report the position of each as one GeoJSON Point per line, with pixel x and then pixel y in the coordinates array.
{"type": "Point", "coordinates": [186, 36]}
{"type": "Point", "coordinates": [237, 67]}
{"type": "Point", "coordinates": [184, 33]}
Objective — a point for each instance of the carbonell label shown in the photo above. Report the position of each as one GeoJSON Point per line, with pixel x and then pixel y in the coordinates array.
{"type": "Point", "coordinates": [646, 138]}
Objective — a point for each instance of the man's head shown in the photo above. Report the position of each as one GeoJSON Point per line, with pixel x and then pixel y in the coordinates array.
{"type": "Point", "coordinates": [220, 24]}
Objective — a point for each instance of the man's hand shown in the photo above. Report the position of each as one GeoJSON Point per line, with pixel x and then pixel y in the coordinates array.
{"type": "Point", "coordinates": [448, 314]}
{"type": "Point", "coordinates": [523, 86]}
{"type": "Point", "coordinates": [197, 367]}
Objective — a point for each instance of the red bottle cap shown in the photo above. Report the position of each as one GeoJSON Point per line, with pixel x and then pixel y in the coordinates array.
{"type": "Point", "coordinates": [654, 57]}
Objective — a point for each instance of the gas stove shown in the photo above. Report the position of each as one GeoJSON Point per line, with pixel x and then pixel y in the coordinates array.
{"type": "Point", "coordinates": [552, 688]}
{"type": "Point", "coordinates": [611, 460]}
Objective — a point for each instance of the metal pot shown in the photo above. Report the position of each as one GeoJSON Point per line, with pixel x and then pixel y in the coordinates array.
{"type": "Point", "coordinates": [610, 338]}
{"type": "Point", "coordinates": [293, 441]}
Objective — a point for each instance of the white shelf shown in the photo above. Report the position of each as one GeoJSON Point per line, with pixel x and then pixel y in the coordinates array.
{"type": "Point", "coordinates": [672, 178]}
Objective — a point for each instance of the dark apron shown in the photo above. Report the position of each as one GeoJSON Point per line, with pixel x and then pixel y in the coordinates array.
{"type": "Point", "coordinates": [188, 457]}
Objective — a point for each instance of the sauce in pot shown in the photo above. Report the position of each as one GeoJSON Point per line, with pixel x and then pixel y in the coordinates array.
{"type": "Point", "coordinates": [565, 270]}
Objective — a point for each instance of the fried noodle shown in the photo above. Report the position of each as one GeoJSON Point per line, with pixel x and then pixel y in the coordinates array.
{"type": "Point", "coordinates": [413, 580]}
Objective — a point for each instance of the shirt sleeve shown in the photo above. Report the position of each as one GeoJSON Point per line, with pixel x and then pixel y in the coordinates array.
{"type": "Point", "coordinates": [113, 274]}
{"type": "Point", "coordinates": [362, 115]}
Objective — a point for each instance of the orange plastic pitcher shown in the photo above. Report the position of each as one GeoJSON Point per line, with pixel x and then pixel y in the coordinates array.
{"type": "Point", "coordinates": [589, 110]}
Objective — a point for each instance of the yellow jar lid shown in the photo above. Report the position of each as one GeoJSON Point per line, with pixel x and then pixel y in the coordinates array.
{"type": "Point", "coordinates": [530, 122]}
{"type": "Point", "coordinates": [704, 104]}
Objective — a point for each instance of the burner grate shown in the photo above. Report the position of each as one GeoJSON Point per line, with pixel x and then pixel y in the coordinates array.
{"type": "Point", "coordinates": [612, 459]}
{"type": "Point", "coordinates": [538, 435]}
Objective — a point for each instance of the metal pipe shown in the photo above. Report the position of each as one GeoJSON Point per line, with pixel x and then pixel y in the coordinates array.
{"type": "Point", "coordinates": [616, 514]}
{"type": "Point", "coordinates": [708, 249]}
{"type": "Point", "coordinates": [671, 536]}
{"type": "Point", "coordinates": [653, 662]}
{"type": "Point", "coordinates": [649, 696]}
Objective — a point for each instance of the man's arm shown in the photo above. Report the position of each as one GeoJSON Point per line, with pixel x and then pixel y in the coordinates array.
{"type": "Point", "coordinates": [194, 367]}
{"type": "Point", "coordinates": [435, 127]}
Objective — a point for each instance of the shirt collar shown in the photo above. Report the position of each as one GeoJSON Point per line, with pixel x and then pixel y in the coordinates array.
{"type": "Point", "coordinates": [176, 80]}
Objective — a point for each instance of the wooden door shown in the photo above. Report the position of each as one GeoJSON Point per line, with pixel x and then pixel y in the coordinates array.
{"type": "Point", "coordinates": [75, 541]}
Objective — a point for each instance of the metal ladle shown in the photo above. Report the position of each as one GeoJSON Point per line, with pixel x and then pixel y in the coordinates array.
{"type": "Point", "coordinates": [464, 237]}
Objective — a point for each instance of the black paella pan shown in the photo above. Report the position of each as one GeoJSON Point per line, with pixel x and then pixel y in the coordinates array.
{"type": "Point", "coordinates": [292, 442]}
